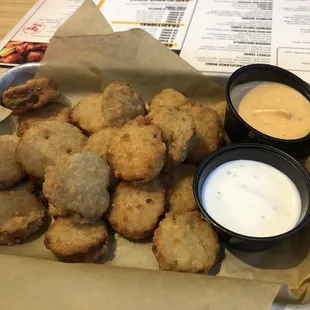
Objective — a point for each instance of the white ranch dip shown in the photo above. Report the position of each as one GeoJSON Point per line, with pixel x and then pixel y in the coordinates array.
{"type": "Point", "coordinates": [251, 198]}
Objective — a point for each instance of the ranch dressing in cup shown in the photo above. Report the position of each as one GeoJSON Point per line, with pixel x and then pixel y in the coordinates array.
{"type": "Point", "coordinates": [251, 198]}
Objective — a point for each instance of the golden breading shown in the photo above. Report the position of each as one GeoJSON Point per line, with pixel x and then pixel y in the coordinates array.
{"type": "Point", "coordinates": [185, 242]}
{"type": "Point", "coordinates": [77, 185]}
{"type": "Point", "coordinates": [168, 98]}
{"type": "Point", "coordinates": [21, 215]}
{"type": "Point", "coordinates": [32, 95]}
{"type": "Point", "coordinates": [208, 132]}
{"type": "Point", "coordinates": [178, 132]}
{"type": "Point", "coordinates": [42, 144]}
{"type": "Point", "coordinates": [10, 171]}
{"type": "Point", "coordinates": [220, 109]}
{"type": "Point", "coordinates": [52, 211]}
{"type": "Point", "coordinates": [88, 114]}
{"type": "Point", "coordinates": [73, 242]}
{"type": "Point", "coordinates": [53, 111]}
{"type": "Point", "coordinates": [136, 208]}
{"type": "Point", "coordinates": [99, 142]}
{"type": "Point", "coordinates": [120, 104]}
{"type": "Point", "coordinates": [180, 189]}
{"type": "Point", "coordinates": [137, 152]}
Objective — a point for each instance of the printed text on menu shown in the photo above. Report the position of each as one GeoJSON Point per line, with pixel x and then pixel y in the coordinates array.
{"type": "Point", "coordinates": [227, 34]}
{"type": "Point", "coordinates": [166, 20]}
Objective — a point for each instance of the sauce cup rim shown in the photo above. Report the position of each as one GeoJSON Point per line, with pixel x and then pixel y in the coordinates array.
{"type": "Point", "coordinates": [251, 146]}
{"type": "Point", "coordinates": [260, 67]}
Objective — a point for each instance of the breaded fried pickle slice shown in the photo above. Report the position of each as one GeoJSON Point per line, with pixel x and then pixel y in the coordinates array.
{"type": "Point", "coordinates": [88, 114]}
{"type": "Point", "coordinates": [120, 104]}
{"type": "Point", "coordinates": [99, 142]}
{"type": "Point", "coordinates": [180, 189]}
{"type": "Point", "coordinates": [137, 152]}
{"type": "Point", "coordinates": [21, 215]}
{"type": "Point", "coordinates": [77, 185]}
{"type": "Point", "coordinates": [26, 184]}
{"type": "Point", "coordinates": [73, 242]}
{"type": "Point", "coordinates": [10, 171]}
{"type": "Point", "coordinates": [185, 242]}
{"type": "Point", "coordinates": [220, 109]}
{"type": "Point", "coordinates": [136, 208]}
{"type": "Point", "coordinates": [42, 144]}
{"type": "Point", "coordinates": [209, 135]}
{"type": "Point", "coordinates": [167, 98]}
{"type": "Point", "coordinates": [178, 131]}
{"type": "Point", "coordinates": [53, 111]}
{"type": "Point", "coordinates": [32, 95]}
{"type": "Point", "coordinates": [52, 211]}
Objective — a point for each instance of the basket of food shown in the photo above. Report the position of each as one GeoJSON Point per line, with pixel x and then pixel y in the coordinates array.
{"type": "Point", "coordinates": [115, 151]}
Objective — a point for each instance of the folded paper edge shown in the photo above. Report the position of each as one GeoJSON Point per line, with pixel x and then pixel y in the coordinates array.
{"type": "Point", "coordinates": [88, 11]}
{"type": "Point", "coordinates": [96, 274]}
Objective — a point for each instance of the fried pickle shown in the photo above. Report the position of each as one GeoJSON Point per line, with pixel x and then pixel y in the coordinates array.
{"type": "Point", "coordinates": [21, 215]}
{"type": "Point", "coordinates": [180, 189]}
{"type": "Point", "coordinates": [185, 242]}
{"type": "Point", "coordinates": [137, 152]}
{"type": "Point", "coordinates": [27, 185]}
{"type": "Point", "coordinates": [52, 211]}
{"type": "Point", "coordinates": [32, 95]}
{"type": "Point", "coordinates": [120, 104]}
{"type": "Point", "coordinates": [168, 98]}
{"type": "Point", "coordinates": [136, 208]}
{"type": "Point", "coordinates": [178, 131]}
{"type": "Point", "coordinates": [220, 109]}
{"type": "Point", "coordinates": [73, 242]}
{"type": "Point", "coordinates": [88, 114]}
{"type": "Point", "coordinates": [10, 171]}
{"type": "Point", "coordinates": [99, 142]}
{"type": "Point", "coordinates": [42, 144]}
{"type": "Point", "coordinates": [77, 185]}
{"type": "Point", "coordinates": [53, 111]}
{"type": "Point", "coordinates": [209, 135]}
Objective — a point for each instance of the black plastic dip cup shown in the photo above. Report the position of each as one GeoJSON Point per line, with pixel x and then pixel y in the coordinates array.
{"type": "Point", "coordinates": [270, 156]}
{"type": "Point", "coordinates": [239, 130]}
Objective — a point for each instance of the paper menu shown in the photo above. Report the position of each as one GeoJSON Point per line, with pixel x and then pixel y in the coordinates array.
{"type": "Point", "coordinates": [225, 35]}
{"type": "Point", "coordinates": [291, 37]}
{"type": "Point", "coordinates": [28, 40]}
{"type": "Point", "coordinates": [46, 18]}
{"type": "Point", "coordinates": [167, 21]}
{"type": "Point", "coordinates": [215, 36]}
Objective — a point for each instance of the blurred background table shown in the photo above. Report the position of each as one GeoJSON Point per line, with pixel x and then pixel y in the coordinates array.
{"type": "Point", "coordinates": [11, 11]}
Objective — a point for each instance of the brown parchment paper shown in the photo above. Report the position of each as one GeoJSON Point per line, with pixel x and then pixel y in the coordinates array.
{"type": "Point", "coordinates": [4, 113]}
{"type": "Point", "coordinates": [83, 57]}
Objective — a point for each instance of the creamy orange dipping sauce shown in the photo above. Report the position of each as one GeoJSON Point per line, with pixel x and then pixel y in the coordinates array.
{"type": "Point", "coordinates": [276, 110]}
